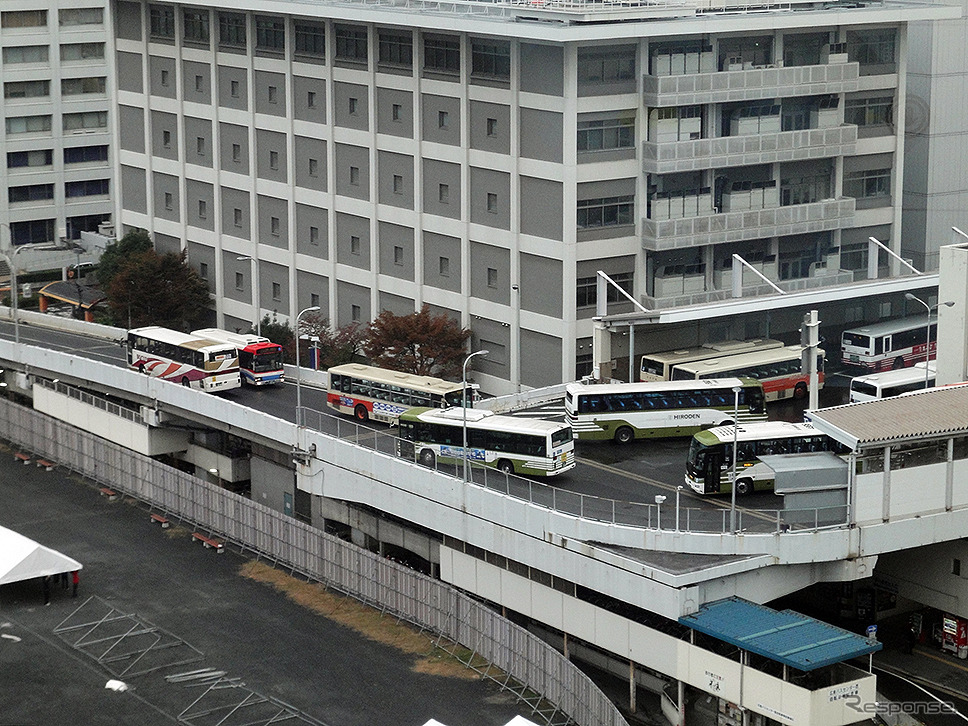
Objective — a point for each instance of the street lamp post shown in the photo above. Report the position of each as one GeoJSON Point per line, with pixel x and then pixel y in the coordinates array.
{"type": "Point", "coordinates": [927, 327]}
{"type": "Point", "coordinates": [258, 293]}
{"type": "Point", "coordinates": [312, 309]}
{"type": "Point", "coordinates": [659, 498]}
{"type": "Point", "coordinates": [732, 489]}
{"type": "Point", "coordinates": [463, 394]}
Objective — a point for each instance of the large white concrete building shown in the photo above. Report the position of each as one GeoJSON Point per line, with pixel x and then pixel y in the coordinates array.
{"type": "Point", "coordinates": [489, 160]}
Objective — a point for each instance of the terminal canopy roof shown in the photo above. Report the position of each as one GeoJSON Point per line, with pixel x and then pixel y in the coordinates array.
{"type": "Point", "coordinates": [22, 559]}
{"type": "Point", "coordinates": [785, 636]}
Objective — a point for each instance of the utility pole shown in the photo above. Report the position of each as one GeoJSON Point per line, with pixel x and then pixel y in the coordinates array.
{"type": "Point", "coordinates": [810, 342]}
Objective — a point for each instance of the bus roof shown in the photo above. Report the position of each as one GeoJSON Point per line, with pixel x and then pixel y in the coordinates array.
{"type": "Point", "coordinates": [884, 327]}
{"type": "Point", "coordinates": [482, 419]}
{"type": "Point", "coordinates": [755, 431]}
{"type": "Point", "coordinates": [175, 337]}
{"type": "Point", "coordinates": [239, 340]}
{"type": "Point", "coordinates": [731, 362]}
{"type": "Point", "coordinates": [690, 385]}
{"type": "Point", "coordinates": [912, 374]}
{"type": "Point", "coordinates": [398, 378]}
{"type": "Point", "coordinates": [712, 350]}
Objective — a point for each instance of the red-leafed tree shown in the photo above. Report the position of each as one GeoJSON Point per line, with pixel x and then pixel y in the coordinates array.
{"type": "Point", "coordinates": [420, 343]}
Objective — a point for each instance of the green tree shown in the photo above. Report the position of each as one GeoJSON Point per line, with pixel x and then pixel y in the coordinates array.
{"type": "Point", "coordinates": [133, 243]}
{"type": "Point", "coordinates": [420, 343]}
{"type": "Point", "coordinates": [153, 289]}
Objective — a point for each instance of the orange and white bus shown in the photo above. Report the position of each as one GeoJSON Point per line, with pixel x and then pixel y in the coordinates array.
{"type": "Point", "coordinates": [890, 344]}
{"type": "Point", "coordinates": [778, 369]}
{"type": "Point", "coordinates": [658, 366]}
{"type": "Point", "coordinates": [366, 392]}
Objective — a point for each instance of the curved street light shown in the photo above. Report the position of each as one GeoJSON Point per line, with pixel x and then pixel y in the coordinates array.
{"type": "Point", "coordinates": [311, 309]}
{"type": "Point", "coordinates": [463, 394]}
{"type": "Point", "coordinates": [927, 346]}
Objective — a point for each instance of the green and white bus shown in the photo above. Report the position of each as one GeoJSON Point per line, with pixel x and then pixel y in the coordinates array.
{"type": "Point", "coordinates": [624, 411]}
{"type": "Point", "coordinates": [709, 466]}
{"type": "Point", "coordinates": [513, 445]}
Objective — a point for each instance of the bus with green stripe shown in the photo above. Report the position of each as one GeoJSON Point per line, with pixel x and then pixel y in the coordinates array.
{"type": "Point", "coordinates": [510, 444]}
{"type": "Point", "coordinates": [622, 412]}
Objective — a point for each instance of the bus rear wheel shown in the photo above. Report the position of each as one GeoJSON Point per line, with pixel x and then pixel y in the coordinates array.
{"type": "Point", "coordinates": [185, 382]}
{"type": "Point", "coordinates": [505, 467]}
{"type": "Point", "coordinates": [898, 363]}
{"type": "Point", "coordinates": [744, 487]}
{"type": "Point", "coordinates": [624, 435]}
{"type": "Point", "coordinates": [427, 458]}
{"type": "Point", "coordinates": [800, 391]}
{"type": "Point", "coordinates": [361, 413]}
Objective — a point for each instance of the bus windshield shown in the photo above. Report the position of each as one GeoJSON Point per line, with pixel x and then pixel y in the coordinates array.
{"type": "Point", "coordinates": [857, 340]}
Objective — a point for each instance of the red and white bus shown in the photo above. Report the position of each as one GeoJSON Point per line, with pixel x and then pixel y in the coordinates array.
{"type": "Point", "coordinates": [890, 344]}
{"type": "Point", "coordinates": [260, 360]}
{"type": "Point", "coordinates": [778, 369]}
{"type": "Point", "coordinates": [366, 392]}
{"type": "Point", "coordinates": [183, 358]}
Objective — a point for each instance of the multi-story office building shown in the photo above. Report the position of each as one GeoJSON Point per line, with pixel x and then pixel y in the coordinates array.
{"type": "Point", "coordinates": [57, 73]}
{"type": "Point", "coordinates": [487, 160]}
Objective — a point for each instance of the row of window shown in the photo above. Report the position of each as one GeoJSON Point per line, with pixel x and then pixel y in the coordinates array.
{"type": "Point", "coordinates": [69, 52]}
{"type": "Point", "coordinates": [71, 122]}
{"type": "Point", "coordinates": [37, 192]}
{"type": "Point", "coordinates": [45, 157]}
{"type": "Point", "coordinates": [35, 231]}
{"type": "Point", "coordinates": [41, 89]}
{"type": "Point", "coordinates": [66, 17]}
{"type": "Point", "coordinates": [667, 400]}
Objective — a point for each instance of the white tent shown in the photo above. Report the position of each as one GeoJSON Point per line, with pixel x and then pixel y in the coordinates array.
{"type": "Point", "coordinates": [22, 559]}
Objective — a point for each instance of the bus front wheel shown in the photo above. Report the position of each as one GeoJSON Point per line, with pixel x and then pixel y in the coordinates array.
{"type": "Point", "coordinates": [505, 467]}
{"type": "Point", "coordinates": [624, 435]}
{"type": "Point", "coordinates": [898, 363]}
{"type": "Point", "coordinates": [427, 457]}
{"type": "Point", "coordinates": [361, 413]}
{"type": "Point", "coordinates": [185, 382]}
{"type": "Point", "coordinates": [744, 487]}
{"type": "Point", "coordinates": [800, 391]}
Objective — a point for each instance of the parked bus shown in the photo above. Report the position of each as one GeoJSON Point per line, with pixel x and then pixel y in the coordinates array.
{"type": "Point", "coordinates": [510, 444]}
{"type": "Point", "coordinates": [367, 392]}
{"type": "Point", "coordinates": [890, 344]}
{"type": "Point", "coordinates": [183, 358]}
{"type": "Point", "coordinates": [874, 386]}
{"type": "Point", "coordinates": [709, 466]}
{"type": "Point", "coordinates": [624, 411]}
{"type": "Point", "coordinates": [260, 360]}
{"type": "Point", "coordinates": [658, 366]}
{"type": "Point", "coordinates": [778, 369]}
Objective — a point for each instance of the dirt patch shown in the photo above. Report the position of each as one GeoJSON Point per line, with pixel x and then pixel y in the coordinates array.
{"type": "Point", "coordinates": [364, 620]}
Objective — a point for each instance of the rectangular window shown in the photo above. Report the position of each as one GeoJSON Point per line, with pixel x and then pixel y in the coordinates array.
{"type": "Point", "coordinates": [867, 184]}
{"type": "Point", "coordinates": [442, 55]}
{"type": "Point", "coordinates": [443, 266]}
{"type": "Point", "coordinates": [200, 145]}
{"type": "Point", "coordinates": [605, 212]}
{"type": "Point", "coordinates": [273, 94]}
{"type": "Point", "coordinates": [234, 89]}
{"type": "Point", "coordinates": [314, 299]}
{"type": "Point", "coordinates": [85, 154]}
{"type": "Point", "coordinates": [314, 167]}
{"type": "Point", "coordinates": [354, 105]}
{"type": "Point", "coordinates": [273, 159]}
{"type": "Point", "coordinates": [396, 112]}
{"type": "Point", "coordinates": [276, 291]}
{"type": "Point", "coordinates": [30, 193]}
{"type": "Point", "coordinates": [397, 184]}
{"type": "Point", "coordinates": [161, 20]}
{"type": "Point", "coordinates": [169, 200]}
{"type": "Point", "coordinates": [396, 49]}
{"type": "Point", "coordinates": [28, 124]}
{"type": "Point", "coordinates": [78, 86]}
{"type": "Point", "coordinates": [397, 255]}
{"type": "Point", "coordinates": [602, 68]}
{"type": "Point", "coordinates": [236, 153]}
{"type": "Point", "coordinates": [606, 134]}
{"type": "Point", "coordinates": [310, 39]}
{"type": "Point", "coordinates": [82, 51]}
{"type": "Point", "coordinates": [443, 119]}
{"type": "Point", "coordinates": [231, 29]}
{"type": "Point", "coordinates": [869, 111]}
{"type": "Point", "coordinates": [196, 25]}
{"type": "Point", "coordinates": [25, 54]}
{"type": "Point", "coordinates": [69, 17]}
{"type": "Point", "coordinates": [203, 270]}
{"type": "Point", "coordinates": [24, 19]}
{"type": "Point", "coordinates": [314, 235]}
{"type": "Point", "coordinates": [354, 245]}
{"type": "Point", "coordinates": [37, 157]}
{"type": "Point", "coordinates": [237, 217]}
{"type": "Point", "coordinates": [199, 84]}
{"type": "Point", "coordinates": [32, 231]}
{"type": "Point", "coordinates": [443, 193]}
{"type": "Point", "coordinates": [26, 89]}
{"type": "Point", "coordinates": [202, 209]}
{"type": "Point", "coordinates": [956, 567]}
{"type": "Point", "coordinates": [356, 313]}
{"type": "Point", "coordinates": [239, 281]}
{"type": "Point", "coordinates": [311, 99]}
{"type": "Point", "coordinates": [270, 34]}
{"type": "Point", "coordinates": [87, 188]}
{"type": "Point", "coordinates": [491, 202]}
{"type": "Point", "coordinates": [355, 175]}
{"type": "Point", "coordinates": [351, 43]}
{"type": "Point", "coordinates": [491, 59]}
{"type": "Point", "coordinates": [491, 277]}
{"type": "Point", "coordinates": [166, 139]}
{"type": "Point", "coordinates": [274, 226]}
{"type": "Point", "coordinates": [587, 290]}
{"type": "Point", "coordinates": [165, 78]}
{"type": "Point", "coordinates": [492, 127]}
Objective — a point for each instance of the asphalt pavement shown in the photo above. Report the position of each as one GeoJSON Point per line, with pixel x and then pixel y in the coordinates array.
{"type": "Point", "coordinates": [191, 611]}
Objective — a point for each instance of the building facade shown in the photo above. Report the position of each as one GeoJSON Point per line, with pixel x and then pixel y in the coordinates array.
{"type": "Point", "coordinates": [489, 162]}
{"type": "Point", "coordinates": [58, 87]}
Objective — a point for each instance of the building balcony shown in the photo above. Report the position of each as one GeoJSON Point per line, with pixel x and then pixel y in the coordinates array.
{"type": "Point", "coordinates": [735, 226]}
{"type": "Point", "coordinates": [750, 84]}
{"type": "Point", "coordinates": [763, 148]}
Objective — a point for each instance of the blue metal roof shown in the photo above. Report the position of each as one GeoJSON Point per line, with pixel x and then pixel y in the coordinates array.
{"type": "Point", "coordinates": [784, 636]}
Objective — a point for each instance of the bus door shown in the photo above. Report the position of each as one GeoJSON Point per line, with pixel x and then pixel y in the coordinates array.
{"type": "Point", "coordinates": [712, 471]}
